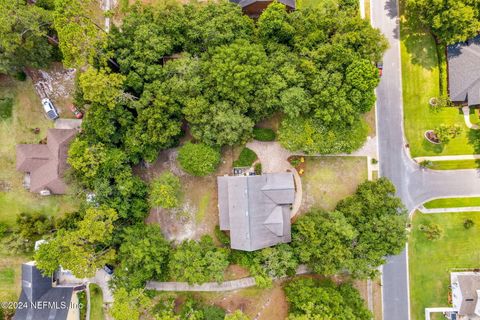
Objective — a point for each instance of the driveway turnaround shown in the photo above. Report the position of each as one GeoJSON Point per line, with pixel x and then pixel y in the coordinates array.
{"type": "Point", "coordinates": [414, 184]}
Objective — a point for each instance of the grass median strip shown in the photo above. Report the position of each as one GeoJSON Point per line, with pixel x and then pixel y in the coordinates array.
{"type": "Point", "coordinates": [455, 164]}
{"type": "Point", "coordinates": [453, 203]}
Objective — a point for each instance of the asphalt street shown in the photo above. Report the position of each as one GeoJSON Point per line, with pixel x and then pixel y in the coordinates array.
{"type": "Point", "coordinates": [414, 184]}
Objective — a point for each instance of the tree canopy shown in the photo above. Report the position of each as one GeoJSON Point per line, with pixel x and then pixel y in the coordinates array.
{"type": "Point", "coordinates": [313, 299]}
{"type": "Point", "coordinates": [450, 20]}
{"type": "Point", "coordinates": [82, 250]}
{"type": "Point", "coordinates": [356, 237]}
{"type": "Point", "coordinates": [198, 159]}
{"type": "Point", "coordinates": [165, 191]}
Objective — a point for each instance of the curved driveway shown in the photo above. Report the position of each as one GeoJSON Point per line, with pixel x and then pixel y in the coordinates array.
{"type": "Point", "coordinates": [414, 185]}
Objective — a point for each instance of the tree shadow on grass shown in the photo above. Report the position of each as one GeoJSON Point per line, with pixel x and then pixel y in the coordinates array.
{"type": "Point", "coordinates": [420, 44]}
{"type": "Point", "coordinates": [474, 140]}
{"type": "Point", "coordinates": [431, 147]}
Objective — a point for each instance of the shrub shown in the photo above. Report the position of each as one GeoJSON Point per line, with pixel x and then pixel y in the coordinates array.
{"type": "Point", "coordinates": [374, 161]}
{"type": "Point", "coordinates": [3, 229]}
{"type": "Point", "coordinates": [432, 231]}
{"type": "Point", "coordinates": [165, 191]}
{"type": "Point", "coordinates": [467, 224]}
{"type": "Point", "coordinates": [264, 134]}
{"type": "Point", "coordinates": [198, 159]}
{"type": "Point", "coordinates": [246, 158]}
{"type": "Point", "coordinates": [445, 133]}
{"type": "Point", "coordinates": [258, 169]}
{"type": "Point", "coordinates": [426, 164]}
{"type": "Point", "coordinates": [295, 162]}
{"type": "Point", "coordinates": [6, 105]}
{"type": "Point", "coordinates": [20, 76]}
{"type": "Point", "coordinates": [221, 236]}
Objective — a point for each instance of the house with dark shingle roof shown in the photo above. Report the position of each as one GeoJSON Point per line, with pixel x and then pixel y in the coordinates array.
{"type": "Point", "coordinates": [41, 300]}
{"type": "Point", "coordinates": [45, 164]}
{"type": "Point", "coordinates": [464, 72]}
{"type": "Point", "coordinates": [256, 209]}
{"type": "Point", "coordinates": [254, 8]}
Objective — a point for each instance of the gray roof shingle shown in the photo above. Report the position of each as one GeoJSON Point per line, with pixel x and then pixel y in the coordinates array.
{"type": "Point", "coordinates": [256, 209]}
{"type": "Point", "coordinates": [464, 71]}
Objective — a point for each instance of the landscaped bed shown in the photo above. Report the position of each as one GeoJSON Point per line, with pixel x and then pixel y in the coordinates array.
{"type": "Point", "coordinates": [430, 261]}
{"type": "Point", "coordinates": [453, 203]}
{"type": "Point", "coordinates": [328, 180]}
{"type": "Point", "coordinates": [420, 74]}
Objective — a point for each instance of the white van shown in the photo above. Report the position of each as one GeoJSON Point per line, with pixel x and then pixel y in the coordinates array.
{"type": "Point", "coordinates": [49, 109]}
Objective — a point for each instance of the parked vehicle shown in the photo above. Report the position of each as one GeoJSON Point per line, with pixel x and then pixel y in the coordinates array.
{"type": "Point", "coordinates": [49, 109]}
{"type": "Point", "coordinates": [77, 113]}
{"type": "Point", "coordinates": [108, 269]}
{"type": "Point", "coordinates": [380, 68]}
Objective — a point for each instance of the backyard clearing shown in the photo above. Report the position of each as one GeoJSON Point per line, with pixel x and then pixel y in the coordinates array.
{"type": "Point", "coordinates": [198, 213]}
{"type": "Point", "coordinates": [328, 180]}
{"type": "Point", "coordinates": [10, 276]}
{"type": "Point", "coordinates": [420, 74]}
{"type": "Point", "coordinates": [431, 261]}
{"type": "Point", "coordinates": [260, 304]}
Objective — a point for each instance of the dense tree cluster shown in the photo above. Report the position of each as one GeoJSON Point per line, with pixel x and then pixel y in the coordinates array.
{"type": "Point", "coordinates": [356, 237]}
{"type": "Point", "coordinates": [313, 299]}
{"type": "Point", "coordinates": [450, 20]}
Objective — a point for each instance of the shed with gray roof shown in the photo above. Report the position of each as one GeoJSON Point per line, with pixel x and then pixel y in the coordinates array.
{"type": "Point", "coordinates": [464, 72]}
{"type": "Point", "coordinates": [256, 209]}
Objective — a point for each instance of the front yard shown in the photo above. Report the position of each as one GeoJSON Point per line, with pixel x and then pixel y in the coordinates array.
{"type": "Point", "coordinates": [430, 261]}
{"type": "Point", "coordinates": [420, 74]}
{"type": "Point", "coordinates": [328, 180]}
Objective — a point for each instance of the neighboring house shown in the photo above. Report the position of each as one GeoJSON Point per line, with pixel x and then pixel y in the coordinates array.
{"type": "Point", "coordinates": [254, 8]}
{"type": "Point", "coordinates": [465, 293]}
{"type": "Point", "coordinates": [464, 72]}
{"type": "Point", "coordinates": [256, 209]}
{"type": "Point", "coordinates": [40, 299]}
{"type": "Point", "coordinates": [465, 288]}
{"type": "Point", "coordinates": [45, 164]}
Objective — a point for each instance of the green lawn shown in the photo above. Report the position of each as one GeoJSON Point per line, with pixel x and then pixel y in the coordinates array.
{"type": "Point", "coordinates": [96, 303]}
{"type": "Point", "coordinates": [455, 164]}
{"type": "Point", "coordinates": [430, 262]}
{"type": "Point", "coordinates": [453, 203]}
{"type": "Point", "coordinates": [420, 74]}
{"type": "Point", "coordinates": [328, 180]}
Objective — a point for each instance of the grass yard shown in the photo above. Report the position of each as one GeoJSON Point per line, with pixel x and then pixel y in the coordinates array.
{"type": "Point", "coordinates": [455, 164]}
{"type": "Point", "coordinates": [453, 203]}
{"type": "Point", "coordinates": [26, 115]}
{"type": "Point", "coordinates": [420, 74]}
{"type": "Point", "coordinates": [10, 275]}
{"type": "Point", "coordinates": [96, 303]}
{"type": "Point", "coordinates": [455, 249]}
{"type": "Point", "coordinates": [328, 180]}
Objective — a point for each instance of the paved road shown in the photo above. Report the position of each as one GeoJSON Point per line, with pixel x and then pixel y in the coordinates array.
{"type": "Point", "coordinates": [414, 185]}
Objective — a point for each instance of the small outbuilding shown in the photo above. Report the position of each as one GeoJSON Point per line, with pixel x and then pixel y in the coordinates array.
{"type": "Point", "coordinates": [256, 209]}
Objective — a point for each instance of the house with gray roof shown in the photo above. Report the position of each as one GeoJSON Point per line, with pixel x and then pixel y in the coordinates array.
{"type": "Point", "coordinates": [45, 164]}
{"type": "Point", "coordinates": [41, 300]}
{"type": "Point", "coordinates": [254, 8]}
{"type": "Point", "coordinates": [464, 72]}
{"type": "Point", "coordinates": [256, 209]}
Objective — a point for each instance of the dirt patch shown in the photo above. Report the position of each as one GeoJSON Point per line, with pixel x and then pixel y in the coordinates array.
{"type": "Point", "coordinates": [235, 271]}
{"type": "Point", "coordinates": [198, 214]}
{"type": "Point", "coordinates": [57, 84]}
{"type": "Point", "coordinates": [258, 304]}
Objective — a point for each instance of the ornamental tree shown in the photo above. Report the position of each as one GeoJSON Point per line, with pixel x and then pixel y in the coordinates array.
{"type": "Point", "coordinates": [198, 159]}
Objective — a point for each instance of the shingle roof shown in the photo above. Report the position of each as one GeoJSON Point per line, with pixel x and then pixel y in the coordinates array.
{"type": "Point", "coordinates": [469, 285]}
{"type": "Point", "coordinates": [46, 163]}
{"type": "Point", "coordinates": [246, 3]}
{"type": "Point", "coordinates": [37, 288]}
{"type": "Point", "coordinates": [464, 71]}
{"type": "Point", "coordinates": [256, 209]}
